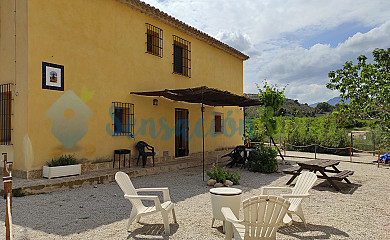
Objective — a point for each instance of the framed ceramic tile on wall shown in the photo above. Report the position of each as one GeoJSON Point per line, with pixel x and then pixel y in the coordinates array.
{"type": "Point", "coordinates": [52, 76]}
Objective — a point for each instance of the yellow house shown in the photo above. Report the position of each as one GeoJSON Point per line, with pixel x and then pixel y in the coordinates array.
{"type": "Point", "coordinates": [67, 69]}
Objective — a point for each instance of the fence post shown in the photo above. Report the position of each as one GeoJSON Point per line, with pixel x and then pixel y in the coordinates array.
{"type": "Point", "coordinates": [379, 153]}
{"type": "Point", "coordinates": [350, 150]}
{"type": "Point", "coordinates": [7, 179]}
{"type": "Point", "coordinates": [373, 141]}
{"type": "Point", "coordinates": [284, 143]}
{"type": "Point", "coordinates": [315, 149]}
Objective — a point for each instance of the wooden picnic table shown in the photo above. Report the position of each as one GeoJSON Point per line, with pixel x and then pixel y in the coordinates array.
{"type": "Point", "coordinates": [321, 166]}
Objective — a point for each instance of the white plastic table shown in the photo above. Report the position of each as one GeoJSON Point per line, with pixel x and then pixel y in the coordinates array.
{"type": "Point", "coordinates": [225, 197]}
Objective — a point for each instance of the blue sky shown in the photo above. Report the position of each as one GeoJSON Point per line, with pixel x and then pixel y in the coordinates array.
{"type": "Point", "coordinates": [332, 36]}
{"type": "Point", "coordinates": [290, 42]}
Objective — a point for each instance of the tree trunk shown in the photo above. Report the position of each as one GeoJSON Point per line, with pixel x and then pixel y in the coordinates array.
{"type": "Point", "coordinates": [280, 154]}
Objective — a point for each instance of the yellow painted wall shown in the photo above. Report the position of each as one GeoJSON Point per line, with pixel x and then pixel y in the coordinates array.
{"type": "Point", "coordinates": [102, 44]}
{"type": "Point", "coordinates": [20, 148]}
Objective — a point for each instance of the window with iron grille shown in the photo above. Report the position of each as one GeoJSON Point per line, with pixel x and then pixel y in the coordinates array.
{"type": "Point", "coordinates": [154, 40]}
{"type": "Point", "coordinates": [123, 116]}
{"type": "Point", "coordinates": [5, 114]}
{"type": "Point", "coordinates": [181, 56]}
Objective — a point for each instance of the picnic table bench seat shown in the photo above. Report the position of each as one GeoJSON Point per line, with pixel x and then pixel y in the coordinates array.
{"type": "Point", "coordinates": [292, 170]}
{"type": "Point", "coordinates": [341, 175]}
{"type": "Point", "coordinates": [338, 176]}
{"type": "Point", "coordinates": [319, 166]}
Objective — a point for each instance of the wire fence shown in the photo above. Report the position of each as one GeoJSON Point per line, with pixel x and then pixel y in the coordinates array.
{"type": "Point", "coordinates": [354, 154]}
{"type": "Point", "coordinates": [359, 141]}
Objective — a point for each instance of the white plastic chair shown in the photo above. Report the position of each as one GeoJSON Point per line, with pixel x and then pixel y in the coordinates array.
{"type": "Point", "coordinates": [305, 182]}
{"type": "Point", "coordinates": [263, 215]}
{"type": "Point", "coordinates": [138, 210]}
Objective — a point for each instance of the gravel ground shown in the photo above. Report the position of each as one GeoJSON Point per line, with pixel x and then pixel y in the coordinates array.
{"type": "Point", "coordinates": [359, 211]}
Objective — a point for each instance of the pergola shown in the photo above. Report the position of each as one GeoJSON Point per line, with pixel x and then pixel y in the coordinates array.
{"type": "Point", "coordinates": [205, 96]}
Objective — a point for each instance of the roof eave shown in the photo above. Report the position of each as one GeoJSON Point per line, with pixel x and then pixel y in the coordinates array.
{"type": "Point", "coordinates": [183, 27]}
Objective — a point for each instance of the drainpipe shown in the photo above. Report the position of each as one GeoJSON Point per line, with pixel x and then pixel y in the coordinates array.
{"type": "Point", "coordinates": [15, 44]}
{"type": "Point", "coordinates": [202, 109]}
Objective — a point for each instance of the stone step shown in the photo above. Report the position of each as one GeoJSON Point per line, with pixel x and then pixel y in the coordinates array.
{"type": "Point", "coordinates": [23, 187]}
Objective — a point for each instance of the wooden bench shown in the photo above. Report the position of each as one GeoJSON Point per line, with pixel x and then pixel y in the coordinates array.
{"type": "Point", "coordinates": [338, 176]}
{"type": "Point", "coordinates": [320, 167]}
{"type": "Point", "coordinates": [341, 175]}
{"type": "Point", "coordinates": [292, 170]}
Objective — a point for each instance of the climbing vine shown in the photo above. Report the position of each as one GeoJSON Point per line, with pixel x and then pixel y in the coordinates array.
{"type": "Point", "coordinates": [273, 99]}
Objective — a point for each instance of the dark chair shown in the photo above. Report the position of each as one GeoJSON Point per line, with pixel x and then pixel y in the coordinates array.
{"type": "Point", "coordinates": [144, 150]}
{"type": "Point", "coordinates": [235, 156]}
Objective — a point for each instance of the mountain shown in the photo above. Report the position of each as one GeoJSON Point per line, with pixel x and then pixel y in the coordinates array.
{"type": "Point", "coordinates": [332, 102]}
{"type": "Point", "coordinates": [335, 100]}
{"type": "Point", "coordinates": [292, 108]}
{"type": "Point", "coordinates": [289, 108]}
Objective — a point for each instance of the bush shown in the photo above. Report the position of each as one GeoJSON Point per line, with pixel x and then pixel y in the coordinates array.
{"type": "Point", "coordinates": [62, 161]}
{"type": "Point", "coordinates": [263, 160]}
{"type": "Point", "coordinates": [221, 175]}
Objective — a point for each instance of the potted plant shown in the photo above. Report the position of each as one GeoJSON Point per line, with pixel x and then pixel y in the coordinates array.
{"type": "Point", "coordinates": [222, 177]}
{"type": "Point", "coordinates": [62, 166]}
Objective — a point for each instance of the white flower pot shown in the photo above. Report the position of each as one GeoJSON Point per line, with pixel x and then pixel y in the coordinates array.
{"type": "Point", "coordinates": [61, 171]}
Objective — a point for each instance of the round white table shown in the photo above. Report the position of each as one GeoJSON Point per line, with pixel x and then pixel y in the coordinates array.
{"type": "Point", "coordinates": [225, 197]}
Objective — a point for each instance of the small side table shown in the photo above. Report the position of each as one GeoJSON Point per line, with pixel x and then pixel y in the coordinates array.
{"type": "Point", "coordinates": [225, 197]}
{"type": "Point", "coordinates": [120, 152]}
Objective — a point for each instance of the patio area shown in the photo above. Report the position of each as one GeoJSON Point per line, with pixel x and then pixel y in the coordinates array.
{"type": "Point", "coordinates": [358, 211]}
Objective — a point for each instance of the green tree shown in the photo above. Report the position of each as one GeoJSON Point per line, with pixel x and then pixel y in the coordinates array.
{"type": "Point", "coordinates": [323, 107]}
{"type": "Point", "coordinates": [367, 85]}
{"type": "Point", "coordinates": [273, 99]}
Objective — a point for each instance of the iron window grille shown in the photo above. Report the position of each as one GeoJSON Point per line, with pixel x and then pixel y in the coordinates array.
{"type": "Point", "coordinates": [5, 113]}
{"type": "Point", "coordinates": [181, 56]}
{"type": "Point", "coordinates": [123, 117]}
{"type": "Point", "coordinates": [154, 40]}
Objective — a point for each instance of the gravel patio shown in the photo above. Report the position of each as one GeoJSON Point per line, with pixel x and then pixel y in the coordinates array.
{"type": "Point", "coordinates": [359, 211]}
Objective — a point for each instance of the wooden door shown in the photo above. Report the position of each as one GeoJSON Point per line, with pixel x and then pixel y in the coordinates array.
{"type": "Point", "coordinates": [181, 132]}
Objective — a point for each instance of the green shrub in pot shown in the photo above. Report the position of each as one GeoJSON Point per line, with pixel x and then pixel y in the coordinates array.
{"type": "Point", "coordinates": [63, 161]}
{"type": "Point", "coordinates": [221, 175]}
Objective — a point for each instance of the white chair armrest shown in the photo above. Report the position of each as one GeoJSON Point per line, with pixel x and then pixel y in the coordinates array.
{"type": "Point", "coordinates": [264, 190]}
{"type": "Point", "coordinates": [295, 195]}
{"type": "Point", "coordinates": [151, 189]}
{"type": "Point", "coordinates": [165, 190]}
{"type": "Point", "coordinates": [229, 215]}
{"type": "Point", "coordinates": [230, 218]}
{"type": "Point", "coordinates": [144, 197]}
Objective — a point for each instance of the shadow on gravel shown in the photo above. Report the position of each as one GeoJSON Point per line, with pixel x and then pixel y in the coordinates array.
{"type": "Point", "coordinates": [78, 210]}
{"type": "Point", "coordinates": [345, 187]}
{"type": "Point", "coordinates": [150, 231]}
{"type": "Point", "coordinates": [298, 230]}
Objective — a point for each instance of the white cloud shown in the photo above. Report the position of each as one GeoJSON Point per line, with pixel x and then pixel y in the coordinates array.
{"type": "Point", "coordinates": [301, 67]}
{"type": "Point", "coordinates": [376, 38]}
{"type": "Point", "coordinates": [269, 19]}
{"type": "Point", "coordinates": [260, 29]}
{"type": "Point", "coordinates": [239, 40]}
